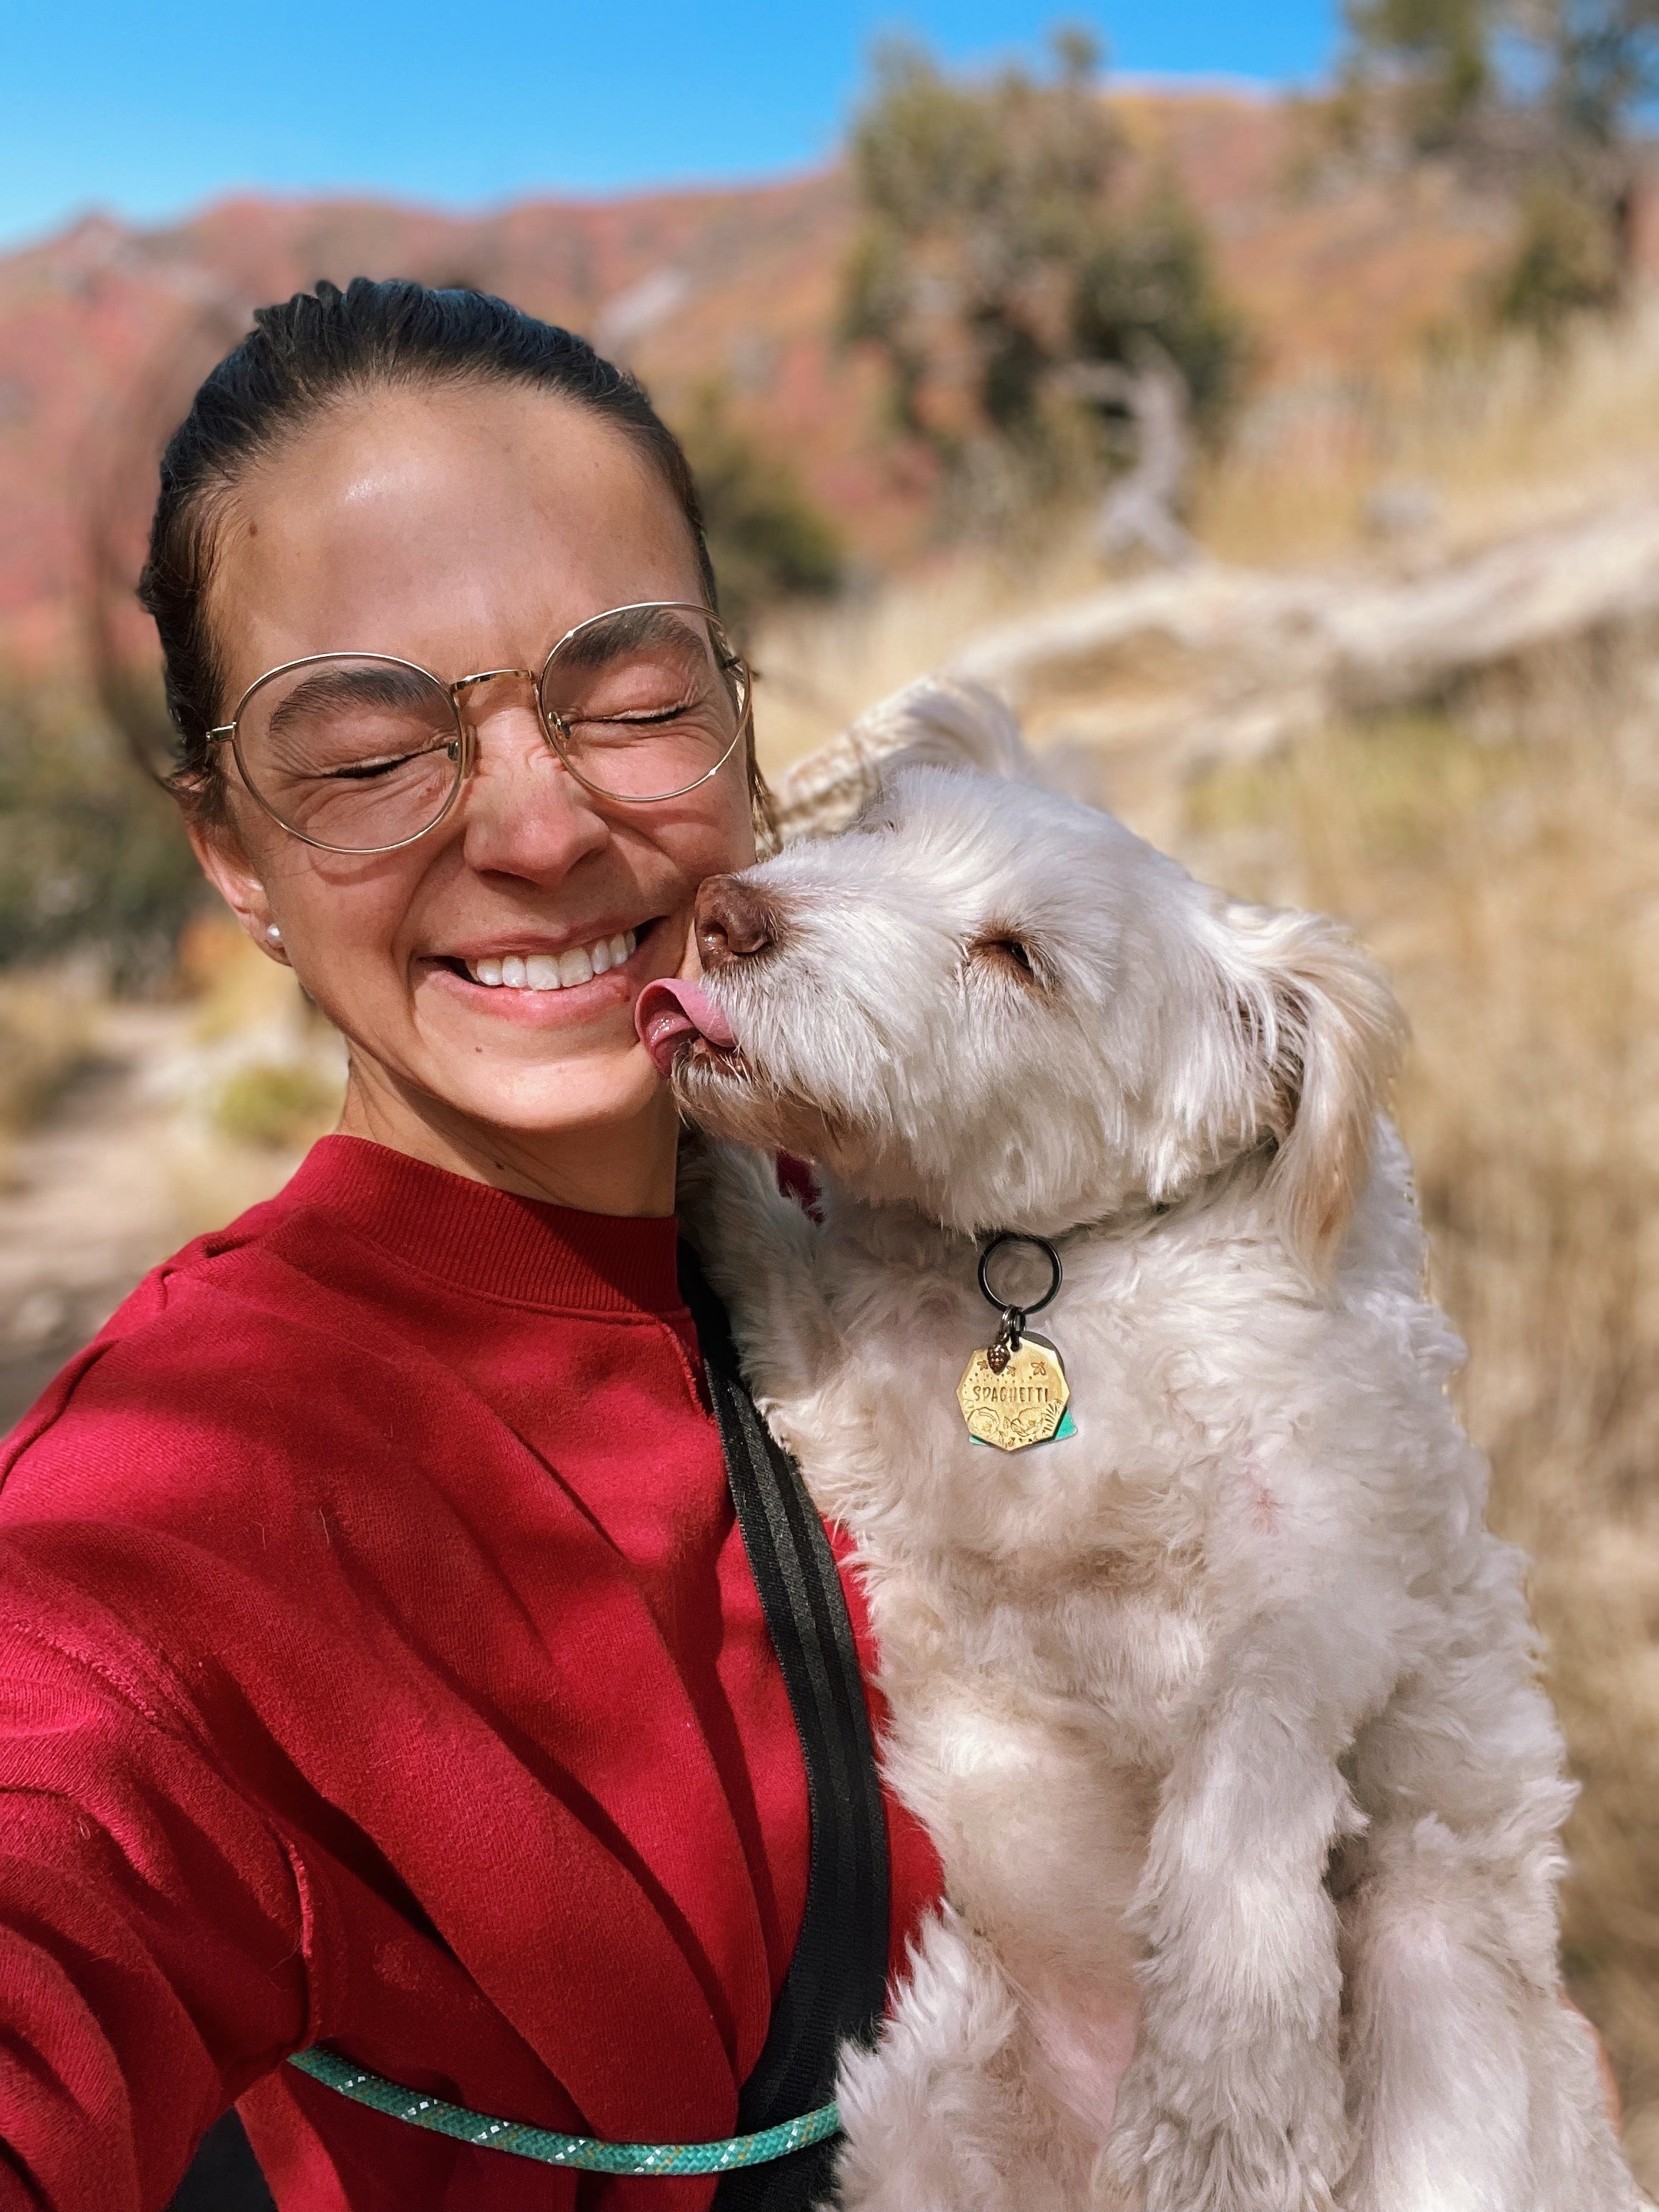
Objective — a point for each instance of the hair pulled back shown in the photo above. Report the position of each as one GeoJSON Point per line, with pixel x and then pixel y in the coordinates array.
{"type": "Point", "coordinates": [300, 358]}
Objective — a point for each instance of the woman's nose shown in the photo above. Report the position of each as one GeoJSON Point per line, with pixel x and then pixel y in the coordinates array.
{"type": "Point", "coordinates": [733, 921]}
{"type": "Point", "coordinates": [525, 814]}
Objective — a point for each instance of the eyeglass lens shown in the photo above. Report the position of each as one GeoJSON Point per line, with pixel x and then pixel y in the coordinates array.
{"type": "Point", "coordinates": [354, 754]}
{"type": "Point", "coordinates": [359, 753]}
{"type": "Point", "coordinates": [645, 702]}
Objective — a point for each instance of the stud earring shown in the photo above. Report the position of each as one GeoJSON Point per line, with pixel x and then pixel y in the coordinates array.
{"type": "Point", "coordinates": [273, 930]}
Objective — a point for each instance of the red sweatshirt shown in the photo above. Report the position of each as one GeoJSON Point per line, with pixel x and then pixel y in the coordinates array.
{"type": "Point", "coordinates": [380, 1666]}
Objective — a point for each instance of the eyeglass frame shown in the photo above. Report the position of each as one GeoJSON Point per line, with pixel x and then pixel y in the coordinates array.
{"type": "Point", "coordinates": [226, 732]}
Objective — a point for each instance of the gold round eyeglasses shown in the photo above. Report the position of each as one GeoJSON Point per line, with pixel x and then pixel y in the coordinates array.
{"type": "Point", "coordinates": [362, 752]}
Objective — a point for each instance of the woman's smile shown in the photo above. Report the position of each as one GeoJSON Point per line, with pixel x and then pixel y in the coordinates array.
{"type": "Point", "coordinates": [547, 981]}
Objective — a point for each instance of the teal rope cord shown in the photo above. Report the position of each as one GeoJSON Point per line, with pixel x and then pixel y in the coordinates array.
{"type": "Point", "coordinates": [554, 2149]}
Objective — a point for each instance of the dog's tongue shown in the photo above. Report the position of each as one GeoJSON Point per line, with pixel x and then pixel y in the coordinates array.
{"type": "Point", "coordinates": [667, 1014]}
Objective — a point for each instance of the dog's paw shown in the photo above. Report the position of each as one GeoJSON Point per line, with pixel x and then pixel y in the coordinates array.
{"type": "Point", "coordinates": [1229, 2134]}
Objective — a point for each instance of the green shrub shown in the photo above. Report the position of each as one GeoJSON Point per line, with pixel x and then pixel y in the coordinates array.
{"type": "Point", "coordinates": [1154, 277]}
{"type": "Point", "coordinates": [1565, 262]}
{"type": "Point", "coordinates": [280, 1104]}
{"type": "Point", "coordinates": [91, 852]}
{"type": "Point", "coordinates": [768, 539]}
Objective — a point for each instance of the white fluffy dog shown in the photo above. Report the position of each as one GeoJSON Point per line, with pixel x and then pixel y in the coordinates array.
{"type": "Point", "coordinates": [1222, 1710]}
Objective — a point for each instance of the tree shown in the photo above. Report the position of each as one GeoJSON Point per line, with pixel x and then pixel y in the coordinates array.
{"type": "Point", "coordinates": [1008, 242]}
{"type": "Point", "coordinates": [1429, 60]}
{"type": "Point", "coordinates": [1565, 260]}
{"type": "Point", "coordinates": [1537, 99]}
{"type": "Point", "coordinates": [1603, 65]}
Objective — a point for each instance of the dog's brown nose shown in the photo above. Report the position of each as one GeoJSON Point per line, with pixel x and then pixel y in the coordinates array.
{"type": "Point", "coordinates": [733, 922]}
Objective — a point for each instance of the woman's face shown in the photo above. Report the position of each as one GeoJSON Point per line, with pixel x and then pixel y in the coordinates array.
{"type": "Point", "coordinates": [462, 529]}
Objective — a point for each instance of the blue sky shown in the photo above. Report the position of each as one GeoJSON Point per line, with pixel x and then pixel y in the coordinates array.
{"type": "Point", "coordinates": [147, 111]}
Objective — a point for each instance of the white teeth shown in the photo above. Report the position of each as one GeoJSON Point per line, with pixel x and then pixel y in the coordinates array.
{"type": "Point", "coordinates": [549, 971]}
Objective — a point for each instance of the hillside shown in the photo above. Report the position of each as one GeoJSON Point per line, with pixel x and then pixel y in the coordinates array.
{"type": "Point", "coordinates": [104, 330]}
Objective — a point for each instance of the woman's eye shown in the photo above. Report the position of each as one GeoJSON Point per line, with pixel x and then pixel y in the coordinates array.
{"type": "Point", "coordinates": [366, 771]}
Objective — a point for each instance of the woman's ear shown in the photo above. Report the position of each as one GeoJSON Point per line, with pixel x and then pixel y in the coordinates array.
{"type": "Point", "coordinates": [938, 721]}
{"type": "Point", "coordinates": [1325, 1034]}
{"type": "Point", "coordinates": [220, 856]}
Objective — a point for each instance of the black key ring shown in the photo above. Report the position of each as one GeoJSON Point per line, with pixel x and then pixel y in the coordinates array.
{"type": "Point", "coordinates": [1011, 1237]}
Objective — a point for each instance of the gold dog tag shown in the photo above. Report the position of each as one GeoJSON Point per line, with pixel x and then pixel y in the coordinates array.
{"type": "Point", "coordinates": [1017, 1400]}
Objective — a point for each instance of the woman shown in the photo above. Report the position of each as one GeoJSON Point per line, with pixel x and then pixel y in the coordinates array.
{"type": "Point", "coordinates": [386, 1675]}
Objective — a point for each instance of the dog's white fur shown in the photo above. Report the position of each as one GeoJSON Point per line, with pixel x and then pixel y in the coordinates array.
{"type": "Point", "coordinates": [1223, 1711]}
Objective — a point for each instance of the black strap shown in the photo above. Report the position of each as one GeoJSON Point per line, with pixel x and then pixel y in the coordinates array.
{"type": "Point", "coordinates": [836, 1984]}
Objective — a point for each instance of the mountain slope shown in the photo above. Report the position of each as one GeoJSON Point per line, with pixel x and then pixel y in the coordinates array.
{"type": "Point", "coordinates": [104, 330]}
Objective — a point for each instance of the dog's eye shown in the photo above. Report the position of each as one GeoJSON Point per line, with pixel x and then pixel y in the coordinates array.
{"type": "Point", "coordinates": [1006, 953]}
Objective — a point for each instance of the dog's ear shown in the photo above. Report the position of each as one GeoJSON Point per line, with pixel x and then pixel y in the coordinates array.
{"type": "Point", "coordinates": [944, 722]}
{"type": "Point", "coordinates": [1324, 1034]}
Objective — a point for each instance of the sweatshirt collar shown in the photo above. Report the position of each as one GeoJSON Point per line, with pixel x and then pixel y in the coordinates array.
{"type": "Point", "coordinates": [492, 1242]}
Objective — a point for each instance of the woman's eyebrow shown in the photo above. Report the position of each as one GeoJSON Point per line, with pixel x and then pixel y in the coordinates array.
{"type": "Point", "coordinates": [630, 627]}
{"type": "Point", "coordinates": [328, 689]}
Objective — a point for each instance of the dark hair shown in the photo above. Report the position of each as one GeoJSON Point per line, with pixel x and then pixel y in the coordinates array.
{"type": "Point", "coordinates": [299, 359]}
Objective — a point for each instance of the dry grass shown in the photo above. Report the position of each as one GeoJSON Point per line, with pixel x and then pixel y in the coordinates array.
{"type": "Point", "coordinates": [1512, 886]}
{"type": "Point", "coordinates": [818, 668]}
{"type": "Point", "coordinates": [1485, 443]}
{"type": "Point", "coordinates": [1497, 436]}
{"type": "Point", "coordinates": [1484, 440]}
